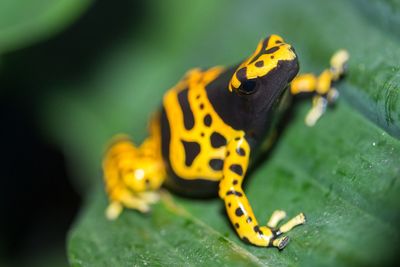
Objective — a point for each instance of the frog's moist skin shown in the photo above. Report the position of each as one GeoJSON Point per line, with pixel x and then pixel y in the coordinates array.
{"type": "Point", "coordinates": [208, 130]}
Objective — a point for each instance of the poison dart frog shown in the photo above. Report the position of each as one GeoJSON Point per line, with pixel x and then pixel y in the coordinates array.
{"type": "Point", "coordinates": [208, 130]}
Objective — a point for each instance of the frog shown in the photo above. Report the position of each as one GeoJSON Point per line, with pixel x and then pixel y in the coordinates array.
{"type": "Point", "coordinates": [209, 129]}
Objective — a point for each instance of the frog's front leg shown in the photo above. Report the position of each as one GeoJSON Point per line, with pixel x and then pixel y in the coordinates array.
{"type": "Point", "coordinates": [321, 86]}
{"type": "Point", "coordinates": [132, 174]}
{"type": "Point", "coordinates": [238, 207]}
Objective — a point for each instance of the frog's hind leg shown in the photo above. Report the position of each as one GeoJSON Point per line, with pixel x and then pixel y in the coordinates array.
{"type": "Point", "coordinates": [321, 86]}
{"type": "Point", "coordinates": [132, 174]}
{"type": "Point", "coordinates": [238, 207]}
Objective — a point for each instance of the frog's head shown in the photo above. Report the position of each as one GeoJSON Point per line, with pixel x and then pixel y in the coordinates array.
{"type": "Point", "coordinates": [267, 72]}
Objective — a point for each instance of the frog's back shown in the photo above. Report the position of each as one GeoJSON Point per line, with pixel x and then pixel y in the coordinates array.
{"type": "Point", "coordinates": [193, 135]}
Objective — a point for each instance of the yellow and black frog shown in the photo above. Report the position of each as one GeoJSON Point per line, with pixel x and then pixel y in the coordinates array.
{"type": "Point", "coordinates": [210, 127]}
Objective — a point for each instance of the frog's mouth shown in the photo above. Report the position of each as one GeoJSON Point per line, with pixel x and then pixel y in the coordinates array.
{"type": "Point", "coordinates": [275, 84]}
{"type": "Point", "coordinates": [274, 99]}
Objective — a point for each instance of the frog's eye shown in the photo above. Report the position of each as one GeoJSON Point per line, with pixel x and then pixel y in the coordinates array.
{"type": "Point", "coordinates": [248, 87]}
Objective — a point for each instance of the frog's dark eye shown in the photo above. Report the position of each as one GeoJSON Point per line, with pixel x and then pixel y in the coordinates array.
{"type": "Point", "coordinates": [248, 87]}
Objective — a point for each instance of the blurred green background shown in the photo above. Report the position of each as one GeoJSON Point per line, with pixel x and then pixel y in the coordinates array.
{"type": "Point", "coordinates": [75, 72]}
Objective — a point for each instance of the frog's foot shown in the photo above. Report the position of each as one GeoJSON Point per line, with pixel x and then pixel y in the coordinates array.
{"type": "Point", "coordinates": [280, 241]}
{"type": "Point", "coordinates": [113, 210]}
{"type": "Point", "coordinates": [150, 197]}
{"type": "Point", "coordinates": [319, 105]}
{"type": "Point", "coordinates": [299, 219]}
{"type": "Point", "coordinates": [275, 218]}
{"type": "Point", "coordinates": [132, 176]}
{"type": "Point", "coordinates": [321, 86]}
{"type": "Point", "coordinates": [138, 201]}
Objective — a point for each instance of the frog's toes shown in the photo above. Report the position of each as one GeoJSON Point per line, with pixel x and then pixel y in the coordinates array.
{"type": "Point", "coordinates": [276, 217]}
{"type": "Point", "coordinates": [132, 201]}
{"type": "Point", "coordinates": [299, 219]}
{"type": "Point", "coordinates": [319, 105]}
{"type": "Point", "coordinates": [113, 210]}
{"type": "Point", "coordinates": [278, 240]}
{"type": "Point", "coordinates": [281, 242]}
{"type": "Point", "coordinates": [143, 208]}
{"type": "Point", "coordinates": [150, 197]}
{"type": "Point", "coordinates": [332, 95]}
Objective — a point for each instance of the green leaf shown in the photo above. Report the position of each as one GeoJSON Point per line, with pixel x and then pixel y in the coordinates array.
{"type": "Point", "coordinates": [343, 173]}
{"type": "Point", "coordinates": [23, 23]}
{"type": "Point", "coordinates": [386, 13]}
